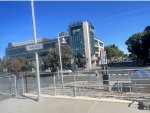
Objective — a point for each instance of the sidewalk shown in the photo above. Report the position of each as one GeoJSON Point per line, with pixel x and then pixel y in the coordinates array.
{"type": "Point", "coordinates": [65, 105]}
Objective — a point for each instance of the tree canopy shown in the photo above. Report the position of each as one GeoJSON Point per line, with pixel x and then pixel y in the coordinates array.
{"type": "Point", "coordinates": [18, 64]}
{"type": "Point", "coordinates": [113, 52]}
{"type": "Point", "coordinates": [139, 44]}
{"type": "Point", "coordinates": [52, 58]}
{"type": "Point", "coordinates": [134, 44]}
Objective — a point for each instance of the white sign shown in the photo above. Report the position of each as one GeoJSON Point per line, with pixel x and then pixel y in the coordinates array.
{"type": "Point", "coordinates": [34, 47]}
{"type": "Point", "coordinates": [103, 57]}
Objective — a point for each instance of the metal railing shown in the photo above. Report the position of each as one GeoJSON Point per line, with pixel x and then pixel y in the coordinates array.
{"type": "Point", "coordinates": [8, 84]}
{"type": "Point", "coordinates": [120, 84]}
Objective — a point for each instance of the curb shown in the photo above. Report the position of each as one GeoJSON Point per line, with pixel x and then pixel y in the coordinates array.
{"type": "Point", "coordinates": [111, 100]}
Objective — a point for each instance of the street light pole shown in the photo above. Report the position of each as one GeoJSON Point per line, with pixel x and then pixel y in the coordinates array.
{"type": "Point", "coordinates": [60, 60]}
{"type": "Point", "coordinates": [36, 55]}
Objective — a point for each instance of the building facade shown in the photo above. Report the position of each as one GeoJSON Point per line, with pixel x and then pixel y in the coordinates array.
{"type": "Point", "coordinates": [16, 50]}
{"type": "Point", "coordinates": [82, 41]}
{"type": "Point", "coordinates": [81, 38]}
{"type": "Point", "coordinates": [99, 50]}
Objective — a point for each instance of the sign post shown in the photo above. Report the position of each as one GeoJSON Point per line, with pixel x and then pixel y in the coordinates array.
{"type": "Point", "coordinates": [36, 55]}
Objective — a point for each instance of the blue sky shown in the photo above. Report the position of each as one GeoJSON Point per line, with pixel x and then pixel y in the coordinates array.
{"type": "Point", "coordinates": [114, 22]}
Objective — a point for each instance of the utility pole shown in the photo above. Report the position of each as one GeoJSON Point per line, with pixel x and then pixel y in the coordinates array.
{"type": "Point", "coordinates": [36, 54]}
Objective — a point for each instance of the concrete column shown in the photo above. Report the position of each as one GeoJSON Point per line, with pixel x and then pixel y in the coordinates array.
{"type": "Point", "coordinates": [87, 44]}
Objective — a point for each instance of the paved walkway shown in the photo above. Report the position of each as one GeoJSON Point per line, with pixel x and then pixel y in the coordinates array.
{"type": "Point", "coordinates": [5, 96]}
{"type": "Point", "coordinates": [65, 105]}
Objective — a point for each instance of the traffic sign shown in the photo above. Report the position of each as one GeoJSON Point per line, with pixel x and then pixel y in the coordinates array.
{"type": "Point", "coordinates": [34, 47]}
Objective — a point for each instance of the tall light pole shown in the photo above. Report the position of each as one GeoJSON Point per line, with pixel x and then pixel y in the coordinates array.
{"type": "Point", "coordinates": [60, 60]}
{"type": "Point", "coordinates": [36, 55]}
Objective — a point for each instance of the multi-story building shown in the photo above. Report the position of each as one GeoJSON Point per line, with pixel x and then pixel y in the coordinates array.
{"type": "Point", "coordinates": [82, 41]}
{"type": "Point", "coordinates": [15, 50]}
{"type": "Point", "coordinates": [99, 50]}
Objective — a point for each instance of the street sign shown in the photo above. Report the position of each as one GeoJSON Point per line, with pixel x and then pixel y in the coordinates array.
{"type": "Point", "coordinates": [34, 47]}
{"type": "Point", "coordinates": [103, 58]}
{"type": "Point", "coordinates": [103, 55]}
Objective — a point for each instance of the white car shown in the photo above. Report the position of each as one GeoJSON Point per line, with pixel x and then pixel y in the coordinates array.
{"type": "Point", "coordinates": [47, 70]}
{"type": "Point", "coordinates": [66, 71]}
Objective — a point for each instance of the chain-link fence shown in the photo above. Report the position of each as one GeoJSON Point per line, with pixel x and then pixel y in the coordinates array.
{"type": "Point", "coordinates": [126, 84]}
{"type": "Point", "coordinates": [8, 84]}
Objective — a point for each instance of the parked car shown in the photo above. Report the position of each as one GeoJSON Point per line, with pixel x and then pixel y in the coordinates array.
{"type": "Point", "coordinates": [66, 71]}
{"type": "Point", "coordinates": [47, 70]}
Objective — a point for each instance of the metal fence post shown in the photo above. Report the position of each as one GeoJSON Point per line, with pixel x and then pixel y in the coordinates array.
{"type": "Point", "coordinates": [54, 86]}
{"type": "Point", "coordinates": [130, 81]}
{"type": "Point", "coordinates": [15, 86]}
{"type": "Point", "coordinates": [10, 84]}
{"type": "Point", "coordinates": [74, 85]}
{"type": "Point", "coordinates": [99, 83]}
{"type": "Point", "coordinates": [58, 75]}
{"type": "Point", "coordinates": [121, 88]}
{"type": "Point", "coordinates": [89, 84]}
{"type": "Point", "coordinates": [26, 84]}
{"type": "Point", "coordinates": [118, 86]}
{"type": "Point", "coordinates": [22, 84]}
{"type": "Point", "coordinates": [83, 89]}
{"type": "Point", "coordinates": [130, 92]}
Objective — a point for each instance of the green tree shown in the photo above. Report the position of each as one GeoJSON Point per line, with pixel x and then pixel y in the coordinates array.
{"type": "Point", "coordinates": [147, 28]}
{"type": "Point", "coordinates": [113, 52]}
{"type": "Point", "coordinates": [146, 44]}
{"type": "Point", "coordinates": [66, 55]}
{"type": "Point", "coordinates": [139, 44]}
{"type": "Point", "coordinates": [134, 45]}
{"type": "Point", "coordinates": [1, 65]}
{"type": "Point", "coordinates": [52, 58]}
{"type": "Point", "coordinates": [80, 60]}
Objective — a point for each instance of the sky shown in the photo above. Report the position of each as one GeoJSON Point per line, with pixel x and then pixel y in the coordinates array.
{"type": "Point", "coordinates": [114, 22]}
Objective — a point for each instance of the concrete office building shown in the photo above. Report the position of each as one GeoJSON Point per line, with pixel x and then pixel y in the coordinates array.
{"type": "Point", "coordinates": [15, 50]}
{"type": "Point", "coordinates": [82, 40]}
